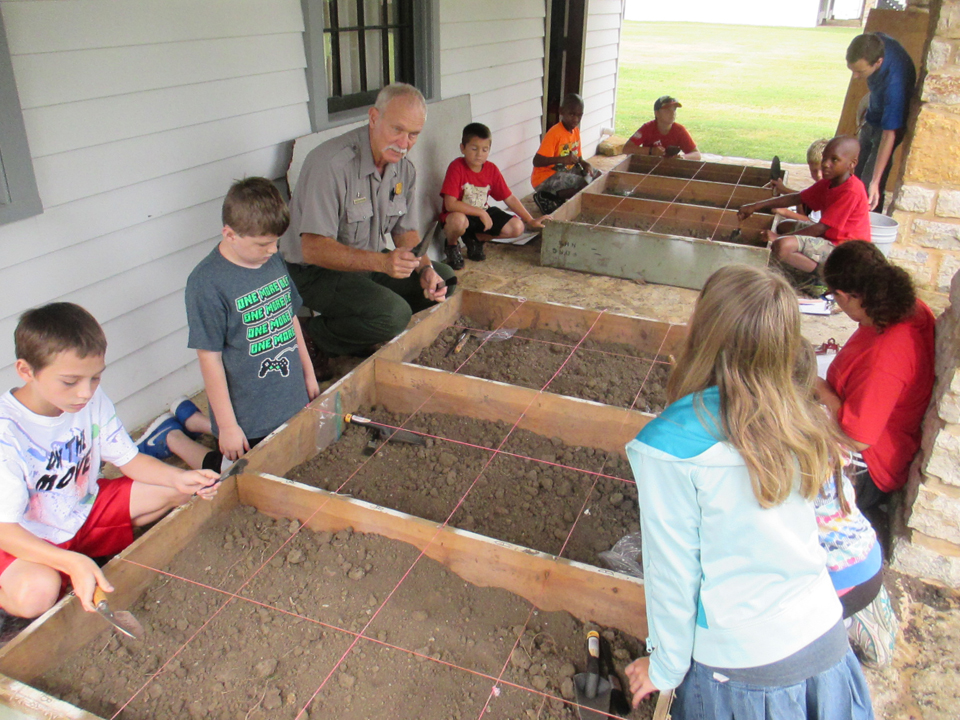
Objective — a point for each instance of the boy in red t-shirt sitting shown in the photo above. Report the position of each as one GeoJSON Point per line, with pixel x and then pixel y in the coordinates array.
{"type": "Point", "coordinates": [844, 212]}
{"type": "Point", "coordinates": [470, 182]}
{"type": "Point", "coordinates": [663, 135]}
{"type": "Point", "coordinates": [559, 170]}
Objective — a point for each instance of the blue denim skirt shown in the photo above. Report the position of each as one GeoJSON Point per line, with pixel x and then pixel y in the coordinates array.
{"type": "Point", "coordinates": [838, 693]}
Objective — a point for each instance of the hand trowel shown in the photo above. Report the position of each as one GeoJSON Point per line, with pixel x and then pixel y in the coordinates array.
{"type": "Point", "coordinates": [593, 691]}
{"type": "Point", "coordinates": [122, 620]}
{"type": "Point", "coordinates": [775, 172]}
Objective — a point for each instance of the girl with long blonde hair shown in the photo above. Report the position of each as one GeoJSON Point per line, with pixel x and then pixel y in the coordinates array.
{"type": "Point", "coordinates": [743, 618]}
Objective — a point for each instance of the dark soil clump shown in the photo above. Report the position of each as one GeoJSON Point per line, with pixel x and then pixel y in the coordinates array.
{"type": "Point", "coordinates": [537, 492]}
{"type": "Point", "coordinates": [291, 640]}
{"type": "Point", "coordinates": [610, 373]}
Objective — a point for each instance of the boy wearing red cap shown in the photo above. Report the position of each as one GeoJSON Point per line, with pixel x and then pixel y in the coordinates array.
{"type": "Point", "coordinates": [663, 135]}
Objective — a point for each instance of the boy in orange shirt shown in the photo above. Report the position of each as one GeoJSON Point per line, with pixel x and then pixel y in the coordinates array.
{"type": "Point", "coordinates": [559, 172]}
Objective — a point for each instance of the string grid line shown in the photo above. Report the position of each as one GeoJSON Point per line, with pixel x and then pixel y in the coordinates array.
{"type": "Point", "coordinates": [357, 636]}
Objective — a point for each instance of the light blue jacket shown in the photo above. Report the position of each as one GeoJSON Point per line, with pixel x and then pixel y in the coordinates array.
{"type": "Point", "coordinates": [727, 582]}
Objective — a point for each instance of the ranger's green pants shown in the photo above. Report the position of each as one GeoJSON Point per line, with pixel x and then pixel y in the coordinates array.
{"type": "Point", "coordinates": [358, 309]}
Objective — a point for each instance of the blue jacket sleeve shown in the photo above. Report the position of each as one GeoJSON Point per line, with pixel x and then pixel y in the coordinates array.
{"type": "Point", "coordinates": [670, 524]}
{"type": "Point", "coordinates": [896, 95]}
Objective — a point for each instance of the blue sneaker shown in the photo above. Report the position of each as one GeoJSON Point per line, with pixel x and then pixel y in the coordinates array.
{"type": "Point", "coordinates": [153, 442]}
{"type": "Point", "coordinates": [183, 408]}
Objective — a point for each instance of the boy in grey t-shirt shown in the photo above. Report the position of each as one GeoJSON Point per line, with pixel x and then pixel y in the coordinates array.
{"type": "Point", "coordinates": [241, 311]}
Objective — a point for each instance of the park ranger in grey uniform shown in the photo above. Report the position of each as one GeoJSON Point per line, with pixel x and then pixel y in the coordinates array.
{"type": "Point", "coordinates": [352, 191]}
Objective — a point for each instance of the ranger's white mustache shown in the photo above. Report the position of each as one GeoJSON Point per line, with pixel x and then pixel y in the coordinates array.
{"type": "Point", "coordinates": [402, 151]}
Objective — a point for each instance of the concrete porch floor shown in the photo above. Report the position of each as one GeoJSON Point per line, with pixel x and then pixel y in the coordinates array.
{"type": "Point", "coordinates": [516, 270]}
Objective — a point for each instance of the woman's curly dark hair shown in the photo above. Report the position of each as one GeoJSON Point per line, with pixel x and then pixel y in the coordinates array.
{"type": "Point", "coordinates": [885, 290]}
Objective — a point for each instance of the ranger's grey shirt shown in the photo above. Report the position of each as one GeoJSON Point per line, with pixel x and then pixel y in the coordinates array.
{"type": "Point", "coordinates": [341, 196]}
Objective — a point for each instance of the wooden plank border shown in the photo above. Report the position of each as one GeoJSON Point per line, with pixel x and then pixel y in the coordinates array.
{"type": "Point", "coordinates": [551, 583]}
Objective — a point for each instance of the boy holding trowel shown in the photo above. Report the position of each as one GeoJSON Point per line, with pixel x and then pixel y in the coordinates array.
{"type": "Point", "coordinates": [55, 510]}
{"type": "Point", "coordinates": [842, 201]}
{"type": "Point", "coordinates": [241, 310]}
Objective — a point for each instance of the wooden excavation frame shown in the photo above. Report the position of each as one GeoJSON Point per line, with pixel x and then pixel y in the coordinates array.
{"type": "Point", "coordinates": [680, 190]}
{"type": "Point", "coordinates": [588, 233]}
{"type": "Point", "coordinates": [387, 379]}
{"type": "Point", "coordinates": [699, 169]}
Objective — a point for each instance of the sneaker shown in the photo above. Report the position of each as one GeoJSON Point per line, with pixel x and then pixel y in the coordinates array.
{"type": "Point", "coordinates": [454, 258]}
{"type": "Point", "coordinates": [547, 202]}
{"type": "Point", "coordinates": [475, 250]}
{"type": "Point", "coordinates": [873, 632]}
{"type": "Point", "coordinates": [153, 442]}
{"type": "Point", "coordinates": [182, 409]}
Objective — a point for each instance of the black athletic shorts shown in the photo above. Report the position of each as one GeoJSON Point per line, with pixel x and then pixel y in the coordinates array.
{"type": "Point", "coordinates": [499, 218]}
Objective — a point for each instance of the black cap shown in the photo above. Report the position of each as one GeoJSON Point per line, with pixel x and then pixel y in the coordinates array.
{"type": "Point", "coordinates": [666, 101]}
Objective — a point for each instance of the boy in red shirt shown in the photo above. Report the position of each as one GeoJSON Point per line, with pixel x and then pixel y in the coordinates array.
{"type": "Point", "coordinates": [559, 171]}
{"type": "Point", "coordinates": [469, 184]}
{"type": "Point", "coordinates": [842, 201]}
{"type": "Point", "coordinates": [663, 135]}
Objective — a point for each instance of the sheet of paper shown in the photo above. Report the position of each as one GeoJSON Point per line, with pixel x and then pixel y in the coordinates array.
{"type": "Point", "coordinates": [522, 239]}
{"type": "Point", "coordinates": [815, 307]}
{"type": "Point", "coordinates": [823, 362]}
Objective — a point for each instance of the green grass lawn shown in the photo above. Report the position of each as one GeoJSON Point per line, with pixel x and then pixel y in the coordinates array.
{"type": "Point", "coordinates": [746, 91]}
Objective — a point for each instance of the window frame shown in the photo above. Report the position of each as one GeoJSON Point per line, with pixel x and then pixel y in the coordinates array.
{"type": "Point", "coordinates": [19, 195]}
{"type": "Point", "coordinates": [426, 44]}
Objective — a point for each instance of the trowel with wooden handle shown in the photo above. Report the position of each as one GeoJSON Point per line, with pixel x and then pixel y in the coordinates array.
{"type": "Point", "coordinates": [122, 620]}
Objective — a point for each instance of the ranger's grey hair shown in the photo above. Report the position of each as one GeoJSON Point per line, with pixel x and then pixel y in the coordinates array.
{"type": "Point", "coordinates": [395, 90]}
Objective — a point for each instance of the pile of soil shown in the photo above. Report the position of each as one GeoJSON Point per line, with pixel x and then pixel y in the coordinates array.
{"type": "Point", "coordinates": [249, 661]}
{"type": "Point", "coordinates": [533, 500]}
{"type": "Point", "coordinates": [610, 373]}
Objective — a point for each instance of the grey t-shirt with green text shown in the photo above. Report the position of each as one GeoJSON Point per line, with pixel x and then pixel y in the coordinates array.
{"type": "Point", "coordinates": [247, 315]}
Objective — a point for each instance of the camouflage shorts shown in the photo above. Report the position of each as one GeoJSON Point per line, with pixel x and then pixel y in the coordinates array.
{"type": "Point", "coordinates": [815, 248]}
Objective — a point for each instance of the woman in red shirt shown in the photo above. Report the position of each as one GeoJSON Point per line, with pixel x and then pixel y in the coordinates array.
{"type": "Point", "coordinates": [880, 383]}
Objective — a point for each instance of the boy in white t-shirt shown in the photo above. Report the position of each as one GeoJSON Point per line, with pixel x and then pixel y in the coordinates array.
{"type": "Point", "coordinates": [55, 510]}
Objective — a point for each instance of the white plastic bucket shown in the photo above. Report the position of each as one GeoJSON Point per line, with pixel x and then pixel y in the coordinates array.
{"type": "Point", "coordinates": [883, 231]}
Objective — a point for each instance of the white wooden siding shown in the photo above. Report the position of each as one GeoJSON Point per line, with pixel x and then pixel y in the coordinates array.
{"type": "Point", "coordinates": [493, 51]}
{"type": "Point", "coordinates": [139, 114]}
{"type": "Point", "coordinates": [604, 18]}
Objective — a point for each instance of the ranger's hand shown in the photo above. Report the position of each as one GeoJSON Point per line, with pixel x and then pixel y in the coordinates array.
{"type": "Point", "coordinates": [400, 263]}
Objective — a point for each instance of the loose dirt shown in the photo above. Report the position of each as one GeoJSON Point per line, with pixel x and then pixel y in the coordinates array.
{"type": "Point", "coordinates": [610, 373]}
{"type": "Point", "coordinates": [723, 233]}
{"type": "Point", "coordinates": [537, 492]}
{"type": "Point", "coordinates": [433, 645]}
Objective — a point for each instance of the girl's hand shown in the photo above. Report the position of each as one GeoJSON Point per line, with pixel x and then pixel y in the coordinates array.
{"type": "Point", "coordinates": [638, 672]}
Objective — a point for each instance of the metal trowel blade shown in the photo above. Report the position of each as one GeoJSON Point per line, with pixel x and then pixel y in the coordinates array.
{"type": "Point", "coordinates": [775, 172]}
{"type": "Point", "coordinates": [595, 708]}
{"type": "Point", "coordinates": [122, 620]}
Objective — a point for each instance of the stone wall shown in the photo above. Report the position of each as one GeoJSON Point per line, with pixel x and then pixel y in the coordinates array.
{"type": "Point", "coordinates": [927, 205]}
{"type": "Point", "coordinates": [928, 543]}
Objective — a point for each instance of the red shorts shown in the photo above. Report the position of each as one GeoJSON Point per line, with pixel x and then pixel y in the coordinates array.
{"type": "Point", "coordinates": [108, 528]}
